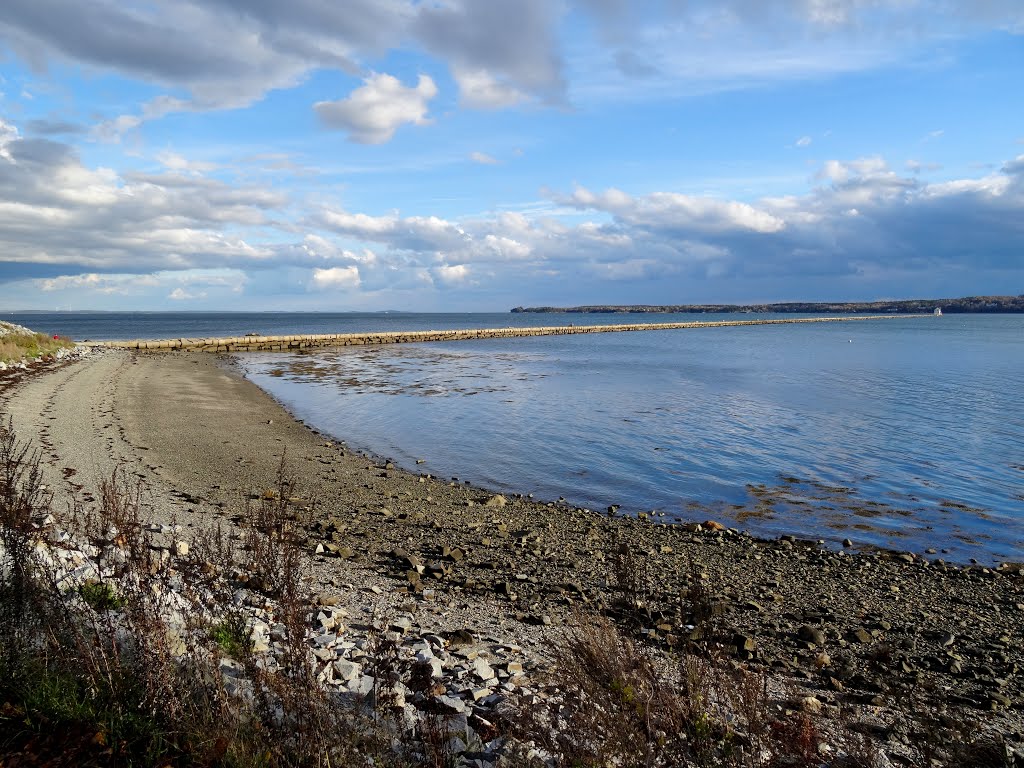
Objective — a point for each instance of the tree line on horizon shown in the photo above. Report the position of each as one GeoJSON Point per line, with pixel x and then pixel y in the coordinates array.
{"type": "Point", "coordinates": [967, 304]}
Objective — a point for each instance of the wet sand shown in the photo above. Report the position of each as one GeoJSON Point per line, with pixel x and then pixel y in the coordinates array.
{"type": "Point", "coordinates": [202, 440]}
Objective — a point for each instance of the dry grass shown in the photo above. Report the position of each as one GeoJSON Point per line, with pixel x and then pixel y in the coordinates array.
{"type": "Point", "coordinates": [15, 347]}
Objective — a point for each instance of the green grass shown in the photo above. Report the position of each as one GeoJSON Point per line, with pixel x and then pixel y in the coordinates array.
{"type": "Point", "coordinates": [15, 347]}
{"type": "Point", "coordinates": [100, 596]}
{"type": "Point", "coordinates": [232, 635]}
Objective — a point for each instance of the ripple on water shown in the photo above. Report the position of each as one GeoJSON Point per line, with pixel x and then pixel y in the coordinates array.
{"type": "Point", "coordinates": [907, 438]}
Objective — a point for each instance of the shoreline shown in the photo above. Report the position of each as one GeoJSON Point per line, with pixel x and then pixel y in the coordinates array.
{"type": "Point", "coordinates": [202, 439]}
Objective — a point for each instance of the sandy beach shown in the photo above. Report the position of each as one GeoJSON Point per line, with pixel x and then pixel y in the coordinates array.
{"type": "Point", "coordinates": [201, 440]}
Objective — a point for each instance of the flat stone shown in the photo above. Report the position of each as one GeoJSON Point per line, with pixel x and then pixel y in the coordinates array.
{"type": "Point", "coordinates": [861, 635]}
{"type": "Point", "coordinates": [482, 669]}
{"type": "Point", "coordinates": [451, 703]}
{"type": "Point", "coordinates": [346, 670]}
{"type": "Point", "coordinates": [811, 634]}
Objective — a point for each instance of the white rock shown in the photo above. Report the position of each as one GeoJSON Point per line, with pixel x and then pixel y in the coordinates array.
{"type": "Point", "coordinates": [482, 669]}
{"type": "Point", "coordinates": [362, 686]}
{"type": "Point", "coordinates": [458, 705]}
{"type": "Point", "coordinates": [346, 670]}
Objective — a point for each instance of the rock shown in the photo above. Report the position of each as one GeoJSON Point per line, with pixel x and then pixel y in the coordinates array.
{"type": "Point", "coordinates": [860, 635]}
{"type": "Point", "coordinates": [461, 637]}
{"type": "Point", "coordinates": [713, 525]}
{"type": "Point", "coordinates": [402, 625]}
{"type": "Point", "coordinates": [362, 686]}
{"type": "Point", "coordinates": [999, 701]}
{"type": "Point", "coordinates": [811, 705]}
{"type": "Point", "coordinates": [454, 554]}
{"type": "Point", "coordinates": [450, 704]}
{"type": "Point", "coordinates": [346, 670]}
{"type": "Point", "coordinates": [811, 634]}
{"type": "Point", "coordinates": [181, 548]}
{"type": "Point", "coordinates": [745, 645]}
{"type": "Point", "coordinates": [482, 669]}
{"type": "Point", "coordinates": [496, 501]}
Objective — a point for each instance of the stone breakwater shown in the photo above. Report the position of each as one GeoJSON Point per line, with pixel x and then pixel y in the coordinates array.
{"type": "Point", "coordinates": [259, 343]}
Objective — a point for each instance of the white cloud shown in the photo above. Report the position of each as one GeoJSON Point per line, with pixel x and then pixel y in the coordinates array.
{"type": "Point", "coordinates": [175, 162]}
{"type": "Point", "coordinates": [674, 211]}
{"type": "Point", "coordinates": [479, 89]}
{"type": "Point", "coordinates": [55, 210]}
{"type": "Point", "coordinates": [452, 275]}
{"type": "Point", "coordinates": [482, 158]}
{"type": "Point", "coordinates": [336, 278]}
{"type": "Point", "coordinates": [105, 284]}
{"type": "Point", "coordinates": [178, 283]}
{"type": "Point", "coordinates": [804, 141]}
{"type": "Point", "coordinates": [8, 133]}
{"type": "Point", "coordinates": [373, 112]}
{"type": "Point", "coordinates": [180, 294]}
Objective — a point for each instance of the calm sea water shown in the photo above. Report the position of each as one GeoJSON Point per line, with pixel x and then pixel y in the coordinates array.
{"type": "Point", "coordinates": [903, 433]}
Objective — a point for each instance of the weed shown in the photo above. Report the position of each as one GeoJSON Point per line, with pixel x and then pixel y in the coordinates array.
{"type": "Point", "coordinates": [100, 596]}
{"type": "Point", "coordinates": [232, 635]}
{"type": "Point", "coordinates": [15, 347]}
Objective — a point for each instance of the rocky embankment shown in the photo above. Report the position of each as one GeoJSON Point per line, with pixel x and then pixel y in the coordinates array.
{"type": "Point", "coordinates": [482, 587]}
{"type": "Point", "coordinates": [13, 368]}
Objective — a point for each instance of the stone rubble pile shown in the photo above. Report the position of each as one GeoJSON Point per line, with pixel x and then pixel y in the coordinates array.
{"type": "Point", "coordinates": [12, 328]}
{"type": "Point", "coordinates": [372, 665]}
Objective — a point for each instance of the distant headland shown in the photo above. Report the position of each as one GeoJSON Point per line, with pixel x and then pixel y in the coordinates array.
{"type": "Point", "coordinates": [967, 304]}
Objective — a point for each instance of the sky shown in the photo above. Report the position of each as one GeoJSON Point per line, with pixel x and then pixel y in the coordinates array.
{"type": "Point", "coordinates": [476, 155]}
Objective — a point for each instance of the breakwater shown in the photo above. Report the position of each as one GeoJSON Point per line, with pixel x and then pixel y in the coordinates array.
{"type": "Point", "coordinates": [258, 343]}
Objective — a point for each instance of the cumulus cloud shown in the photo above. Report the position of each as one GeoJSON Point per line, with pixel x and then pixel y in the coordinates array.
{"type": "Point", "coordinates": [8, 134]}
{"type": "Point", "coordinates": [106, 284]}
{"type": "Point", "coordinates": [373, 112]}
{"type": "Point", "coordinates": [75, 230]}
{"type": "Point", "coordinates": [481, 90]}
{"type": "Point", "coordinates": [230, 53]}
{"type": "Point", "coordinates": [336, 278]}
{"type": "Point", "coordinates": [669, 211]}
{"type": "Point", "coordinates": [55, 210]}
{"type": "Point", "coordinates": [175, 285]}
{"type": "Point", "coordinates": [512, 43]}
{"type": "Point", "coordinates": [226, 53]}
{"type": "Point", "coordinates": [451, 274]}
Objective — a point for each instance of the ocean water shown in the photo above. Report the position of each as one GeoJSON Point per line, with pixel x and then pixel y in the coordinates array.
{"type": "Point", "coordinates": [906, 433]}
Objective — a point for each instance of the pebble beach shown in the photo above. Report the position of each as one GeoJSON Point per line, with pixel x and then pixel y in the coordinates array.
{"type": "Point", "coordinates": [451, 567]}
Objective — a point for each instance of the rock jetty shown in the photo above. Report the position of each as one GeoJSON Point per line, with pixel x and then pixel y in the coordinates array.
{"type": "Point", "coordinates": [258, 342]}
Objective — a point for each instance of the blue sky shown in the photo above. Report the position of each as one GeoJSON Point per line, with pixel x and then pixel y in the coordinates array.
{"type": "Point", "coordinates": [476, 155]}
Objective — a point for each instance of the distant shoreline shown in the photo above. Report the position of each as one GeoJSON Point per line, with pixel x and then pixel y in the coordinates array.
{"type": "Point", "coordinates": [964, 305]}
